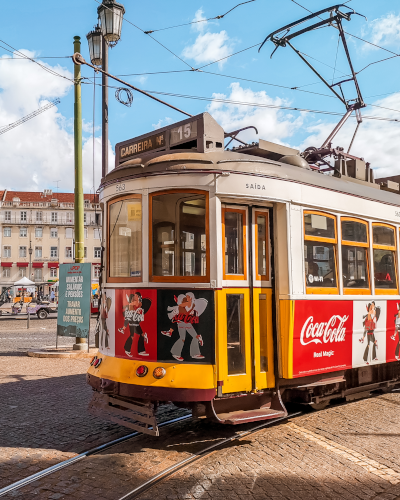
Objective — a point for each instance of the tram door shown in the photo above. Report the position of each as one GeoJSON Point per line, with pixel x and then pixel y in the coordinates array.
{"type": "Point", "coordinates": [244, 305]}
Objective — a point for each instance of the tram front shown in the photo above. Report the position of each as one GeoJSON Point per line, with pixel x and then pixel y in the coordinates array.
{"type": "Point", "coordinates": [186, 294]}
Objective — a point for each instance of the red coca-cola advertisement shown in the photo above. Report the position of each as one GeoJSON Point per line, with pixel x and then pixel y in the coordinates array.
{"type": "Point", "coordinates": [393, 331]}
{"type": "Point", "coordinates": [322, 336]}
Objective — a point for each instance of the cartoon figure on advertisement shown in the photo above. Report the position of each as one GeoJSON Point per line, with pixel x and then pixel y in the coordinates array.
{"type": "Point", "coordinates": [134, 313]}
{"type": "Point", "coordinates": [185, 314]}
{"type": "Point", "coordinates": [397, 331]}
{"type": "Point", "coordinates": [369, 322]}
{"type": "Point", "coordinates": [105, 309]}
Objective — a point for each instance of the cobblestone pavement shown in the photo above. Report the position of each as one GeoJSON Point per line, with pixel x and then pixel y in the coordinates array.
{"type": "Point", "coordinates": [43, 417]}
{"type": "Point", "coordinates": [344, 452]}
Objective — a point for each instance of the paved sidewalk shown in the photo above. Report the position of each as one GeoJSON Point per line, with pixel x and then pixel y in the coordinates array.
{"type": "Point", "coordinates": [43, 417]}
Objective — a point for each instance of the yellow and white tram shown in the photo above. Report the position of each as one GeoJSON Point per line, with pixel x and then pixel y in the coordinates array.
{"type": "Point", "coordinates": [235, 281]}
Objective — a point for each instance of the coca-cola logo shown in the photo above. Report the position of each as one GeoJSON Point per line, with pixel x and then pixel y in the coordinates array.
{"type": "Point", "coordinates": [331, 331]}
{"type": "Point", "coordinates": [185, 318]}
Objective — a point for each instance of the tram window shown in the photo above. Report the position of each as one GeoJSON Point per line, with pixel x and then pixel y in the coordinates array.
{"type": "Point", "coordinates": [125, 238]}
{"type": "Point", "coordinates": [234, 252]}
{"type": "Point", "coordinates": [179, 235]}
{"type": "Point", "coordinates": [236, 334]}
{"type": "Point", "coordinates": [262, 256]}
{"type": "Point", "coordinates": [263, 315]}
{"type": "Point", "coordinates": [319, 225]}
{"type": "Point", "coordinates": [383, 235]}
{"type": "Point", "coordinates": [355, 272]}
{"type": "Point", "coordinates": [320, 264]}
{"type": "Point", "coordinates": [384, 253]}
{"type": "Point", "coordinates": [320, 253]}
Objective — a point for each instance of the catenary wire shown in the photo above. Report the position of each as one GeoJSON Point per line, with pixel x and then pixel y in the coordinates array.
{"type": "Point", "coordinates": [54, 73]}
{"type": "Point", "coordinates": [200, 20]}
{"type": "Point", "coordinates": [33, 58]}
{"type": "Point", "coordinates": [140, 29]}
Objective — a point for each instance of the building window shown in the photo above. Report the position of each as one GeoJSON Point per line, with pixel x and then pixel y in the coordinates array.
{"type": "Point", "coordinates": [7, 216]}
{"type": "Point", "coordinates": [96, 272]}
{"type": "Point", "coordinates": [37, 274]}
{"type": "Point", "coordinates": [38, 252]}
{"type": "Point", "coordinates": [68, 252]}
{"type": "Point", "coordinates": [53, 272]}
{"type": "Point", "coordinates": [22, 272]}
{"type": "Point", "coordinates": [86, 233]}
{"type": "Point", "coordinates": [179, 236]}
{"type": "Point", "coordinates": [6, 272]}
{"type": "Point", "coordinates": [97, 234]}
{"type": "Point", "coordinates": [234, 237]}
{"type": "Point", "coordinates": [355, 244]}
{"type": "Point", "coordinates": [84, 218]}
{"type": "Point", "coordinates": [53, 232]}
{"type": "Point", "coordinates": [23, 216]}
{"type": "Point", "coordinates": [38, 232]}
{"type": "Point", "coordinates": [125, 238]}
{"type": "Point", "coordinates": [22, 251]}
{"type": "Point", "coordinates": [7, 251]}
{"type": "Point", "coordinates": [23, 232]}
{"type": "Point", "coordinates": [7, 232]}
{"type": "Point", "coordinates": [320, 242]}
{"type": "Point", "coordinates": [97, 252]}
{"type": "Point", "coordinates": [54, 217]}
{"type": "Point", "coordinates": [85, 252]}
{"type": "Point", "coordinates": [384, 252]}
{"type": "Point", "coordinates": [70, 217]}
{"type": "Point", "coordinates": [53, 252]}
{"type": "Point", "coordinates": [69, 233]}
{"type": "Point", "coordinates": [39, 216]}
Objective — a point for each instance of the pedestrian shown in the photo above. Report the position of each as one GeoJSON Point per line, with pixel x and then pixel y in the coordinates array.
{"type": "Point", "coordinates": [52, 296]}
{"type": "Point", "coordinates": [8, 296]}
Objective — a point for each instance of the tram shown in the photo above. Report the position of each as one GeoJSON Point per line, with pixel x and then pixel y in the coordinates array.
{"type": "Point", "coordinates": [235, 281]}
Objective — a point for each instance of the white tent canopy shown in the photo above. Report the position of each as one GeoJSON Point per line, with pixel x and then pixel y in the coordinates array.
{"type": "Point", "coordinates": [24, 282]}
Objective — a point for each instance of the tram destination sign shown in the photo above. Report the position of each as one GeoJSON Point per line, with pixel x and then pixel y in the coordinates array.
{"type": "Point", "coordinates": [143, 146]}
{"type": "Point", "coordinates": [74, 300]}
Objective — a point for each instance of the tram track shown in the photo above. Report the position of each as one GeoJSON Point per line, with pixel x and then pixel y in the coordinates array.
{"type": "Point", "coordinates": [135, 493]}
{"type": "Point", "coordinates": [93, 451]}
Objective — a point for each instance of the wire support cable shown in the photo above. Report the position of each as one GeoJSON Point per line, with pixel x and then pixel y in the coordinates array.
{"type": "Point", "coordinates": [24, 119]}
{"type": "Point", "coordinates": [200, 20]}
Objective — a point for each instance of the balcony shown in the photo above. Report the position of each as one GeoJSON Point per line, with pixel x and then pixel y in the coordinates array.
{"type": "Point", "coordinates": [46, 220]}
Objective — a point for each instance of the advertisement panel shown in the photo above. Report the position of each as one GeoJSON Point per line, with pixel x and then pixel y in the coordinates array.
{"type": "Point", "coordinates": [158, 325]}
{"type": "Point", "coordinates": [330, 336]}
{"type": "Point", "coordinates": [73, 318]}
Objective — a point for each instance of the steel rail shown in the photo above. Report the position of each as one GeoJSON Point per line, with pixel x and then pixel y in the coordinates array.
{"type": "Point", "coordinates": [54, 468]}
{"type": "Point", "coordinates": [197, 456]}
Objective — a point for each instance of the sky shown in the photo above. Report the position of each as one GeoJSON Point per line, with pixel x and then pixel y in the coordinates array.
{"type": "Point", "coordinates": [39, 154]}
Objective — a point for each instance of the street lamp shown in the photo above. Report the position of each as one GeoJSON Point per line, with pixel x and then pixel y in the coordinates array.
{"type": "Point", "coordinates": [95, 41]}
{"type": "Point", "coordinates": [110, 15]}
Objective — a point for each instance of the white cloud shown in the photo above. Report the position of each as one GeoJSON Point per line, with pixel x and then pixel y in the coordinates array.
{"type": "Point", "coordinates": [272, 124]}
{"type": "Point", "coordinates": [208, 47]}
{"type": "Point", "coordinates": [162, 122]}
{"type": "Point", "coordinates": [40, 151]}
{"type": "Point", "coordinates": [385, 30]}
{"type": "Point", "coordinates": [376, 141]}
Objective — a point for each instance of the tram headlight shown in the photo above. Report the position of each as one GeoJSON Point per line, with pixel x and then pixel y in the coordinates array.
{"type": "Point", "coordinates": [93, 360]}
{"type": "Point", "coordinates": [97, 363]}
{"type": "Point", "coordinates": [141, 370]}
{"type": "Point", "coordinates": [159, 372]}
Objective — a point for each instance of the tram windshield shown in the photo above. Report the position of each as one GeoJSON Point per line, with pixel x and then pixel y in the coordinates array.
{"type": "Point", "coordinates": [125, 237]}
{"type": "Point", "coordinates": [179, 235]}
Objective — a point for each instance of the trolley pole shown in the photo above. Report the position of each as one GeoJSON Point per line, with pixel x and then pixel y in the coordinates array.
{"type": "Point", "coordinates": [78, 205]}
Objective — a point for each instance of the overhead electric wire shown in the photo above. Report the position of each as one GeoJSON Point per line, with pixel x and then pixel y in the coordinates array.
{"type": "Point", "coordinates": [32, 58]}
{"type": "Point", "coordinates": [54, 73]}
{"type": "Point", "coordinates": [226, 57]}
{"type": "Point", "coordinates": [140, 29]}
{"type": "Point", "coordinates": [200, 20]}
{"type": "Point", "coordinates": [25, 118]}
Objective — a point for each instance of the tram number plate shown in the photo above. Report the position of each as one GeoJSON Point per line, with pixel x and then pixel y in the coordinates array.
{"type": "Point", "coordinates": [119, 188]}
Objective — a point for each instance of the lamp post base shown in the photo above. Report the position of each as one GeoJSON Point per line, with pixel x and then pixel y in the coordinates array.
{"type": "Point", "coordinates": [80, 344]}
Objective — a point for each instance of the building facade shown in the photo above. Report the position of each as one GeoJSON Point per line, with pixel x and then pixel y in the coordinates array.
{"type": "Point", "coordinates": [37, 235]}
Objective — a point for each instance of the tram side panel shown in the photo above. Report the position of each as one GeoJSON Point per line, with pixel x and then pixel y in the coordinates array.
{"type": "Point", "coordinates": [327, 336]}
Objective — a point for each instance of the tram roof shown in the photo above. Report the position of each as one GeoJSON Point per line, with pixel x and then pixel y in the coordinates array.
{"type": "Point", "coordinates": [197, 144]}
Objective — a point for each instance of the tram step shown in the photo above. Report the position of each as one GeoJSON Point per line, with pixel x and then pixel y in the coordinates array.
{"type": "Point", "coordinates": [137, 416]}
{"type": "Point", "coordinates": [242, 417]}
{"type": "Point", "coordinates": [248, 408]}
